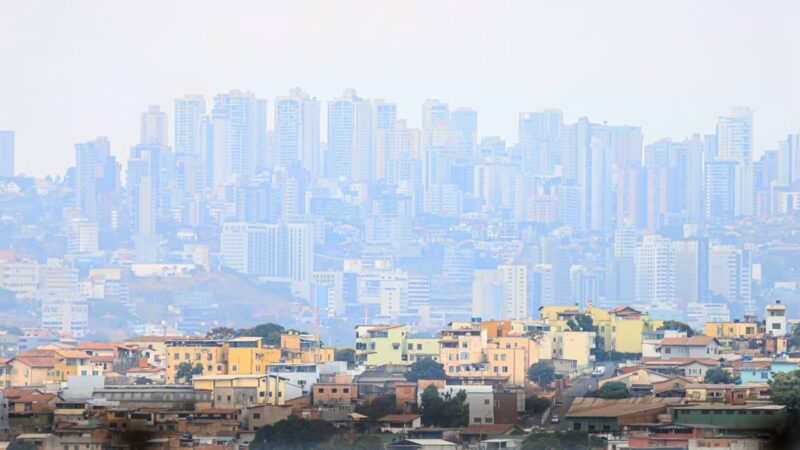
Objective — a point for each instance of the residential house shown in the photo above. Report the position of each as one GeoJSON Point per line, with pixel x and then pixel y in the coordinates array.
{"type": "Point", "coordinates": [689, 347]}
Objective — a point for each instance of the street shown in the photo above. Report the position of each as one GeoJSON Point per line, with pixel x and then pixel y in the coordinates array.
{"type": "Point", "coordinates": [580, 388]}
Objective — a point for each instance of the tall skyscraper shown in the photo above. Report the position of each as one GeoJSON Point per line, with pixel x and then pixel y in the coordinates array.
{"type": "Point", "coordinates": [539, 134]}
{"type": "Point", "coordinates": [95, 173]}
{"type": "Point", "coordinates": [464, 122]}
{"type": "Point", "coordinates": [154, 128]}
{"type": "Point", "coordinates": [297, 131]}
{"type": "Point", "coordinates": [735, 143]}
{"type": "Point", "coordinates": [189, 111]}
{"type": "Point", "coordinates": [6, 153]}
{"type": "Point", "coordinates": [655, 271]}
{"type": "Point", "coordinates": [720, 190]}
{"type": "Point", "coordinates": [350, 154]}
{"type": "Point", "coordinates": [234, 123]}
{"type": "Point", "coordinates": [789, 160]}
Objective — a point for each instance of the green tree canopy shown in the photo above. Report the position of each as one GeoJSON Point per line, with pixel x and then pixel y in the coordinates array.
{"type": "Point", "coordinates": [447, 411]}
{"type": "Point", "coordinates": [678, 326]}
{"type": "Point", "coordinates": [613, 390]}
{"type": "Point", "coordinates": [785, 390]}
{"type": "Point", "coordinates": [582, 322]}
{"type": "Point", "coordinates": [793, 340]}
{"type": "Point", "coordinates": [185, 371]}
{"type": "Point", "coordinates": [382, 405]}
{"type": "Point", "coordinates": [222, 333]}
{"type": "Point", "coordinates": [269, 332]}
{"type": "Point", "coordinates": [294, 434]}
{"type": "Point", "coordinates": [541, 373]}
{"type": "Point", "coordinates": [718, 376]}
{"type": "Point", "coordinates": [346, 354]}
{"type": "Point", "coordinates": [426, 369]}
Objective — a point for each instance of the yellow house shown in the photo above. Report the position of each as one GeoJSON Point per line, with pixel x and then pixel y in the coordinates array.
{"type": "Point", "coordinates": [246, 355]}
{"type": "Point", "coordinates": [461, 349]}
{"type": "Point", "coordinates": [422, 348]}
{"type": "Point", "coordinates": [377, 345]}
{"type": "Point", "coordinates": [216, 383]}
{"type": "Point", "coordinates": [299, 348]}
{"type": "Point", "coordinates": [574, 345]}
{"type": "Point", "coordinates": [511, 356]}
{"type": "Point", "coordinates": [619, 329]}
{"type": "Point", "coordinates": [731, 330]}
{"type": "Point", "coordinates": [31, 370]}
{"type": "Point", "coordinates": [212, 354]}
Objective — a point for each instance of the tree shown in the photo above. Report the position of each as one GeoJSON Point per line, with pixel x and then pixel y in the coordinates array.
{"type": "Point", "coordinates": [269, 332]}
{"type": "Point", "coordinates": [572, 440]}
{"type": "Point", "coordinates": [678, 326]}
{"type": "Point", "coordinates": [793, 341]}
{"type": "Point", "coordinates": [185, 371]}
{"type": "Point", "coordinates": [613, 390]}
{"type": "Point", "coordinates": [222, 333]}
{"type": "Point", "coordinates": [582, 322]}
{"type": "Point", "coordinates": [536, 405]}
{"type": "Point", "coordinates": [426, 369]}
{"type": "Point", "coordinates": [346, 354]}
{"type": "Point", "coordinates": [447, 412]}
{"type": "Point", "coordinates": [717, 376]}
{"type": "Point", "coordinates": [541, 373]}
{"type": "Point", "coordinates": [785, 390]}
{"type": "Point", "coordinates": [142, 380]}
{"type": "Point", "coordinates": [382, 405]}
{"type": "Point", "coordinates": [293, 434]}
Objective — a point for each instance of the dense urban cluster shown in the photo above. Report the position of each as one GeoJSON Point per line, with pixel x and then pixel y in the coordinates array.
{"type": "Point", "coordinates": [434, 288]}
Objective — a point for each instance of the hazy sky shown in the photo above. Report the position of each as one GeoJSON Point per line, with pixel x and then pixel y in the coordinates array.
{"type": "Point", "coordinates": [73, 70]}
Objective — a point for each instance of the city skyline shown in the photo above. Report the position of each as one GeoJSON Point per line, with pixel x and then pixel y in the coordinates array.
{"type": "Point", "coordinates": [672, 85]}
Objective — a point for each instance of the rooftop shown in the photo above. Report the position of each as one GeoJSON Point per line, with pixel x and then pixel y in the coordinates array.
{"type": "Point", "coordinates": [598, 407]}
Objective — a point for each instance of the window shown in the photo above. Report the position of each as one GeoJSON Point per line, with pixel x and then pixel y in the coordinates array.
{"type": "Point", "coordinates": [209, 356]}
{"type": "Point", "coordinates": [346, 390]}
{"type": "Point", "coordinates": [486, 402]}
{"type": "Point", "coordinates": [198, 356]}
{"type": "Point", "coordinates": [320, 390]}
{"type": "Point", "coordinates": [419, 346]}
{"type": "Point", "coordinates": [256, 415]}
{"type": "Point", "coordinates": [335, 391]}
{"type": "Point", "coordinates": [477, 420]}
{"type": "Point", "coordinates": [176, 356]}
{"type": "Point", "coordinates": [489, 420]}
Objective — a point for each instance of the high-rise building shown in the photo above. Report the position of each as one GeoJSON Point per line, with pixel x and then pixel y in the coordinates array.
{"type": "Point", "coordinates": [735, 143]}
{"type": "Point", "coordinates": [539, 139]}
{"type": "Point", "coordinates": [720, 190]}
{"type": "Point", "coordinates": [66, 314]}
{"type": "Point", "coordinates": [789, 160]}
{"type": "Point", "coordinates": [6, 153]}
{"type": "Point", "coordinates": [96, 173]}
{"type": "Point", "coordinates": [297, 131]}
{"type": "Point", "coordinates": [464, 122]}
{"type": "Point", "coordinates": [234, 131]}
{"type": "Point", "coordinates": [350, 154]}
{"type": "Point", "coordinates": [154, 127]}
{"type": "Point", "coordinates": [282, 252]}
{"type": "Point", "coordinates": [514, 279]}
{"type": "Point", "coordinates": [435, 114]}
{"type": "Point", "coordinates": [83, 236]}
{"type": "Point", "coordinates": [655, 271]}
{"type": "Point", "coordinates": [189, 130]}
{"type": "Point", "coordinates": [730, 276]}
